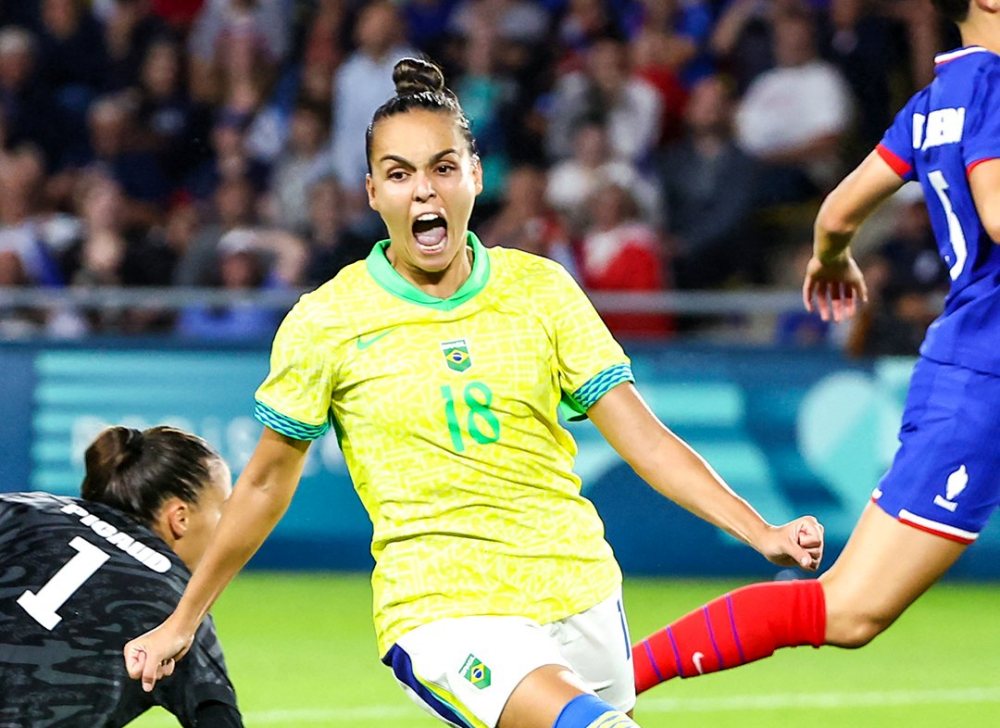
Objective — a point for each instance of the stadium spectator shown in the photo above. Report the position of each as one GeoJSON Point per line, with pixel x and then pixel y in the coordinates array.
{"type": "Point", "coordinates": [170, 126]}
{"type": "Point", "coordinates": [907, 283]}
{"type": "Point", "coordinates": [150, 501]}
{"type": "Point", "coordinates": [365, 354]}
{"type": "Point", "coordinates": [322, 49]}
{"type": "Point", "coordinates": [236, 41]}
{"type": "Point", "coordinates": [242, 268]}
{"type": "Point", "coordinates": [230, 150]}
{"type": "Point", "coordinates": [233, 206]}
{"type": "Point", "coordinates": [793, 118]}
{"type": "Point", "coordinates": [573, 181]}
{"type": "Point", "coordinates": [114, 150]}
{"type": "Point", "coordinates": [303, 161]}
{"type": "Point", "coordinates": [526, 222]}
{"type": "Point", "coordinates": [72, 59]}
{"type": "Point", "coordinates": [359, 86]}
{"type": "Point", "coordinates": [650, 54]}
{"type": "Point", "coordinates": [619, 253]}
{"type": "Point", "coordinates": [583, 23]}
{"type": "Point", "coordinates": [167, 243]}
{"type": "Point", "coordinates": [684, 27]}
{"type": "Point", "coordinates": [940, 490]}
{"type": "Point", "coordinates": [708, 187]}
{"type": "Point", "coordinates": [427, 24]}
{"type": "Point", "coordinates": [332, 244]}
{"type": "Point", "coordinates": [22, 232]}
{"type": "Point", "coordinates": [97, 255]}
{"type": "Point", "coordinates": [628, 106]}
{"type": "Point", "coordinates": [861, 45]}
{"type": "Point", "coordinates": [515, 21]}
{"type": "Point", "coordinates": [28, 113]}
{"type": "Point", "coordinates": [17, 322]}
{"type": "Point", "coordinates": [488, 95]}
{"type": "Point", "coordinates": [743, 37]}
{"type": "Point", "coordinates": [130, 29]}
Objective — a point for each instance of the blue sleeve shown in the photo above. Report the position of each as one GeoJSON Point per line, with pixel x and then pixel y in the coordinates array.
{"type": "Point", "coordinates": [981, 139]}
{"type": "Point", "coordinates": [896, 147]}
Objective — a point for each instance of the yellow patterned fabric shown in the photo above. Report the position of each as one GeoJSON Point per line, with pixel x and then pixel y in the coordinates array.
{"type": "Point", "coordinates": [446, 412]}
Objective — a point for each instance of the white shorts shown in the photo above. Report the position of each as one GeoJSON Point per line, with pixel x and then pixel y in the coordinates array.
{"type": "Point", "coordinates": [463, 670]}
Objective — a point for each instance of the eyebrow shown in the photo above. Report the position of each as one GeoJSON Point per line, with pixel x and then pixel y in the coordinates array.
{"type": "Point", "coordinates": [409, 165]}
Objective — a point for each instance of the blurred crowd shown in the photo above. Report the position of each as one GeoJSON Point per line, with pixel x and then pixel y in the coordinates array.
{"type": "Point", "coordinates": [648, 145]}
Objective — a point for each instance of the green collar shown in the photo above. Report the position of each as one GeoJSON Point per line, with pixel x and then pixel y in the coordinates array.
{"type": "Point", "coordinates": [389, 278]}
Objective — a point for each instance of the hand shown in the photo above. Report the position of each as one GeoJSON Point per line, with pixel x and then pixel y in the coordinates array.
{"type": "Point", "coordinates": [797, 543]}
{"type": "Point", "coordinates": [836, 285]}
{"type": "Point", "coordinates": [154, 655]}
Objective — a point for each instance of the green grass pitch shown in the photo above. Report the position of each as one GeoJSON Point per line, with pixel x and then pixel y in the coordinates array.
{"type": "Point", "coordinates": [301, 652]}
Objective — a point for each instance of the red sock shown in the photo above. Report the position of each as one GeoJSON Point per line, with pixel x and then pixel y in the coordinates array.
{"type": "Point", "coordinates": [737, 628]}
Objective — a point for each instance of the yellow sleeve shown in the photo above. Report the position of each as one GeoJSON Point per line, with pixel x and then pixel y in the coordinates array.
{"type": "Point", "coordinates": [590, 361]}
{"type": "Point", "coordinates": [295, 398]}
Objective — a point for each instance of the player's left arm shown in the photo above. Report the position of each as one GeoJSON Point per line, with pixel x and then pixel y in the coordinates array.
{"type": "Point", "coordinates": [833, 280]}
{"type": "Point", "coordinates": [676, 471]}
{"type": "Point", "coordinates": [984, 181]}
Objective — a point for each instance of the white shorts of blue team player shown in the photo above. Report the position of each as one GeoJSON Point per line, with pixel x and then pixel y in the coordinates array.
{"type": "Point", "coordinates": [463, 670]}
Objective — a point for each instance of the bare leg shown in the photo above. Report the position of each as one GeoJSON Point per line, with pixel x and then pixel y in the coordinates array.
{"type": "Point", "coordinates": [539, 699]}
{"type": "Point", "coordinates": [885, 566]}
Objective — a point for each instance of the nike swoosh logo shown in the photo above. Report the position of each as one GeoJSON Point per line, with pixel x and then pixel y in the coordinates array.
{"type": "Point", "coordinates": [696, 658]}
{"type": "Point", "coordinates": [364, 343]}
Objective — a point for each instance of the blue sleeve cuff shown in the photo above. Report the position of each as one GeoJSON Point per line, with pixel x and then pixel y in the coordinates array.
{"type": "Point", "coordinates": [597, 386]}
{"type": "Point", "coordinates": [287, 426]}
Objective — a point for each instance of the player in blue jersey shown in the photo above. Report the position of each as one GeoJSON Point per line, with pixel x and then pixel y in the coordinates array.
{"type": "Point", "coordinates": [943, 485]}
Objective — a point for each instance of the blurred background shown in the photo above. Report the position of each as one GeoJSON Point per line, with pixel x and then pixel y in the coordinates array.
{"type": "Point", "coordinates": [175, 173]}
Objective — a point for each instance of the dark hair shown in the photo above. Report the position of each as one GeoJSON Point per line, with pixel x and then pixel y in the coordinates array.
{"type": "Point", "coordinates": [955, 10]}
{"type": "Point", "coordinates": [136, 471]}
{"type": "Point", "coordinates": [419, 85]}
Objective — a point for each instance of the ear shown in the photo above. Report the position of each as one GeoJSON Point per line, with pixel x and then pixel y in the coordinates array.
{"type": "Point", "coordinates": [173, 518]}
{"type": "Point", "coordinates": [988, 6]}
{"type": "Point", "coordinates": [477, 173]}
{"type": "Point", "coordinates": [370, 189]}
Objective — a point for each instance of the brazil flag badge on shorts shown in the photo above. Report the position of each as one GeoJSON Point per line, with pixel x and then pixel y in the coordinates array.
{"type": "Point", "coordinates": [476, 672]}
{"type": "Point", "coordinates": [456, 354]}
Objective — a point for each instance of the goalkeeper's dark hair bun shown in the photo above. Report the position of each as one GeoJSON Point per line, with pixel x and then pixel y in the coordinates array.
{"type": "Point", "coordinates": [414, 76]}
{"type": "Point", "coordinates": [136, 471]}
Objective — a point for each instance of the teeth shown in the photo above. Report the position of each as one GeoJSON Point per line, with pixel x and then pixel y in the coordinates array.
{"type": "Point", "coordinates": [428, 216]}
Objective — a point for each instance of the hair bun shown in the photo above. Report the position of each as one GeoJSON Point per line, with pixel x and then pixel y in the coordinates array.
{"type": "Point", "coordinates": [414, 76]}
{"type": "Point", "coordinates": [123, 446]}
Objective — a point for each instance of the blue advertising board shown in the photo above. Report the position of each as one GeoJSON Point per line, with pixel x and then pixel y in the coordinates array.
{"type": "Point", "coordinates": [794, 431]}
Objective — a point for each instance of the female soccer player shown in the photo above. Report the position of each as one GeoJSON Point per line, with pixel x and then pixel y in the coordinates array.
{"type": "Point", "coordinates": [440, 365]}
{"type": "Point", "coordinates": [78, 575]}
{"type": "Point", "coordinates": [943, 484]}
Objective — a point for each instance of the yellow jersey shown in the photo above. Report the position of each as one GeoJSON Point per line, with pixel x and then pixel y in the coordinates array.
{"type": "Point", "coordinates": [446, 413]}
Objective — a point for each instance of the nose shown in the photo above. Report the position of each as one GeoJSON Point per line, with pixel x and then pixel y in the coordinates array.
{"type": "Point", "coordinates": [423, 190]}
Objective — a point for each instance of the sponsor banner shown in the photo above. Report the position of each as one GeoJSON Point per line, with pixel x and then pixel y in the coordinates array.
{"type": "Point", "coordinates": [795, 431]}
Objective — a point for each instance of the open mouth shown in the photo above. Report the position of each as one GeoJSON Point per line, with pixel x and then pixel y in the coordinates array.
{"type": "Point", "coordinates": [431, 233]}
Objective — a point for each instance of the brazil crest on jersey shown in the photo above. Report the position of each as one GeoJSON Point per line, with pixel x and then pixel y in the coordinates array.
{"type": "Point", "coordinates": [446, 412]}
{"type": "Point", "coordinates": [944, 131]}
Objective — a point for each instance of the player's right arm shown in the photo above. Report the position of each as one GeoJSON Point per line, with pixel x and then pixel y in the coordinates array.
{"type": "Point", "coordinates": [833, 278]}
{"type": "Point", "coordinates": [260, 498]}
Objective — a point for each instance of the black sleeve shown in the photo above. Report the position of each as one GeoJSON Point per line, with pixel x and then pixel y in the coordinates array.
{"type": "Point", "coordinates": [199, 680]}
{"type": "Point", "coordinates": [217, 715]}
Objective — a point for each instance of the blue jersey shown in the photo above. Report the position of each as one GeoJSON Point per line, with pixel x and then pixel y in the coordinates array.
{"type": "Point", "coordinates": [944, 131]}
